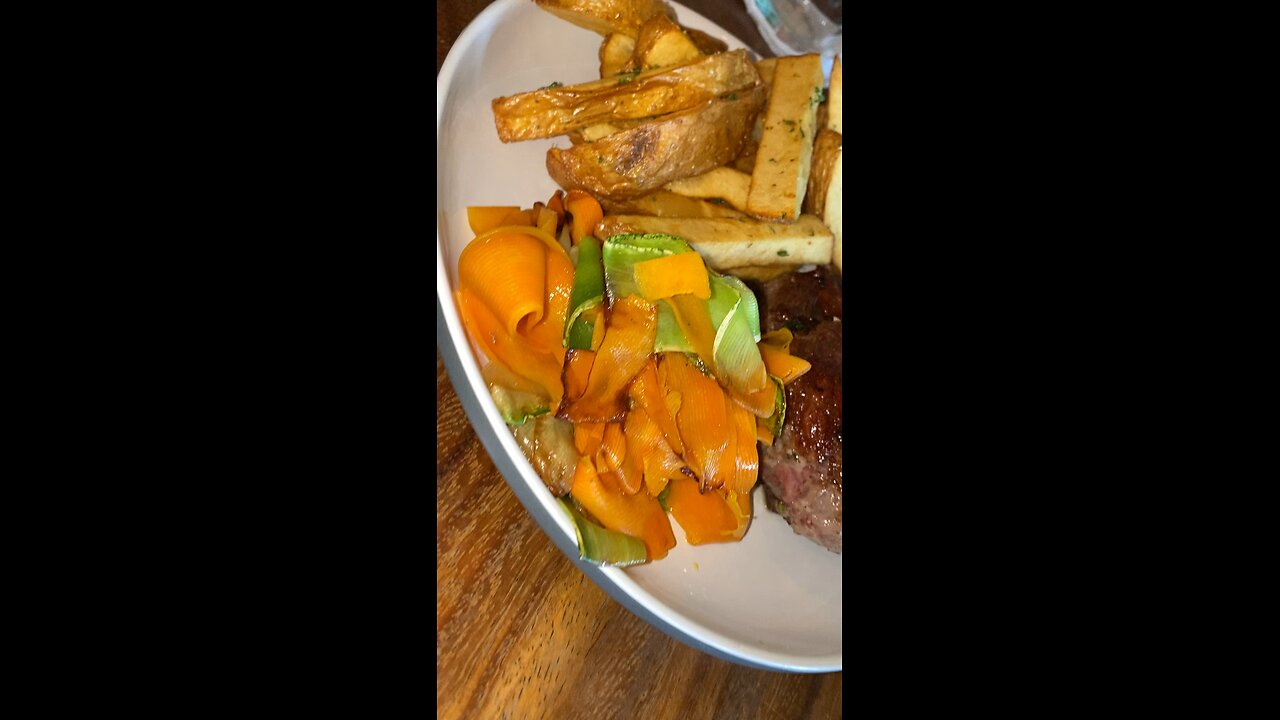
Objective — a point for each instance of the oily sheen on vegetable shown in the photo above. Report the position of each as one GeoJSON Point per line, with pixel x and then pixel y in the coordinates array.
{"type": "Point", "coordinates": [652, 364]}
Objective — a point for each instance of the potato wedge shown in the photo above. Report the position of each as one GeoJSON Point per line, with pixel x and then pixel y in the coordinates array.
{"type": "Point", "coordinates": [664, 203]}
{"type": "Point", "coordinates": [592, 133]}
{"type": "Point", "coordinates": [634, 162]}
{"type": "Point", "coordinates": [729, 242]}
{"type": "Point", "coordinates": [724, 183]}
{"type": "Point", "coordinates": [555, 111]}
{"type": "Point", "coordinates": [746, 160]}
{"type": "Point", "coordinates": [607, 16]}
{"type": "Point", "coordinates": [826, 188]}
{"type": "Point", "coordinates": [766, 66]}
{"type": "Point", "coordinates": [661, 43]}
{"type": "Point", "coordinates": [760, 273]}
{"type": "Point", "coordinates": [615, 53]}
{"type": "Point", "coordinates": [707, 44]}
{"type": "Point", "coordinates": [781, 173]}
{"type": "Point", "coordinates": [835, 98]}
{"type": "Point", "coordinates": [826, 153]}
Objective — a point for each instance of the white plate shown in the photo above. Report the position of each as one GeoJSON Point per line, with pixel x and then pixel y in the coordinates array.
{"type": "Point", "coordinates": [773, 600]}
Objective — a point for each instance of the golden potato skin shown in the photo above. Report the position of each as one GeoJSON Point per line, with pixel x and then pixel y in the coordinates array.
{"type": "Point", "coordinates": [835, 98]}
{"type": "Point", "coordinates": [826, 152]}
{"type": "Point", "coordinates": [633, 162]}
{"type": "Point", "coordinates": [607, 16]}
{"type": "Point", "coordinates": [552, 111]}
{"type": "Point", "coordinates": [615, 53]}
{"type": "Point", "coordinates": [661, 43]}
{"type": "Point", "coordinates": [664, 203]}
{"type": "Point", "coordinates": [746, 160]}
{"type": "Point", "coordinates": [707, 44]}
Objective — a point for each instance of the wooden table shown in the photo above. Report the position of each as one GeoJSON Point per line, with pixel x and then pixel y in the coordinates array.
{"type": "Point", "coordinates": [520, 632]}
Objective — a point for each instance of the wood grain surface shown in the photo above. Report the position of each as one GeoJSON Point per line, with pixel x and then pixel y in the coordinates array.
{"type": "Point", "coordinates": [520, 632]}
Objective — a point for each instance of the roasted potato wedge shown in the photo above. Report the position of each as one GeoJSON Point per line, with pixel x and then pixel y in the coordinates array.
{"type": "Point", "coordinates": [555, 111]}
{"type": "Point", "coordinates": [835, 98]}
{"type": "Point", "coordinates": [826, 153]}
{"type": "Point", "coordinates": [662, 43]}
{"type": "Point", "coordinates": [615, 53]}
{"type": "Point", "coordinates": [608, 16]}
{"type": "Point", "coordinates": [766, 67]}
{"type": "Point", "coordinates": [664, 203]}
{"type": "Point", "coordinates": [746, 160]}
{"type": "Point", "coordinates": [707, 44]}
{"type": "Point", "coordinates": [731, 242]}
{"type": "Point", "coordinates": [634, 162]}
{"type": "Point", "coordinates": [833, 204]}
{"type": "Point", "coordinates": [781, 173]}
{"type": "Point", "coordinates": [724, 183]}
{"type": "Point", "coordinates": [833, 213]}
{"type": "Point", "coordinates": [591, 133]}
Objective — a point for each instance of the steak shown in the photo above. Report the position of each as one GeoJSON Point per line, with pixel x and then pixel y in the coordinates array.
{"type": "Point", "coordinates": [803, 469]}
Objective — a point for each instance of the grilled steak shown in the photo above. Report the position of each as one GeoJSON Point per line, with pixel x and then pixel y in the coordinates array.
{"type": "Point", "coordinates": [803, 469]}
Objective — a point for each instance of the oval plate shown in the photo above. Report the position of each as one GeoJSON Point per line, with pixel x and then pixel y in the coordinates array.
{"type": "Point", "coordinates": [772, 600]}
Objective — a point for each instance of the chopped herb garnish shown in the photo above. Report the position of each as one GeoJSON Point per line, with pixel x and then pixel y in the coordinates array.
{"type": "Point", "coordinates": [555, 84]}
{"type": "Point", "coordinates": [792, 123]}
{"type": "Point", "coordinates": [773, 160]}
{"type": "Point", "coordinates": [782, 253]}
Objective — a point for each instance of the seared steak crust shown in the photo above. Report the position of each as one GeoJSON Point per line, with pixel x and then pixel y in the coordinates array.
{"type": "Point", "coordinates": [803, 469]}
